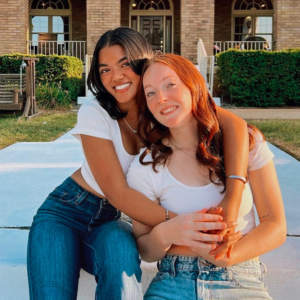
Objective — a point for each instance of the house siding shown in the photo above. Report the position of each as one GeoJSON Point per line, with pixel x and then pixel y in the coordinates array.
{"type": "Point", "coordinates": [79, 20]}
{"type": "Point", "coordinates": [197, 21]}
{"type": "Point", "coordinates": [14, 22]}
{"type": "Point", "coordinates": [210, 20]}
{"type": "Point", "coordinates": [286, 23]}
{"type": "Point", "coordinates": [101, 16]}
{"type": "Point", "coordinates": [223, 19]}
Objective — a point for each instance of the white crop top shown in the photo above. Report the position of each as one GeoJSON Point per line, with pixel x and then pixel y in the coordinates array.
{"type": "Point", "coordinates": [93, 120]}
{"type": "Point", "coordinates": [180, 198]}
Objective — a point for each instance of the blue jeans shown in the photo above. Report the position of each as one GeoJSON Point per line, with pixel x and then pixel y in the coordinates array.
{"type": "Point", "coordinates": [75, 229]}
{"type": "Point", "coordinates": [191, 278]}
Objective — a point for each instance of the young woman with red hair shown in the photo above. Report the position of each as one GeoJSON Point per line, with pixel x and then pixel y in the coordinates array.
{"type": "Point", "coordinates": [182, 169]}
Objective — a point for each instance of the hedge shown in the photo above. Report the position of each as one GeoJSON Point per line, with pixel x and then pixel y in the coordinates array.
{"type": "Point", "coordinates": [260, 78]}
{"type": "Point", "coordinates": [50, 69]}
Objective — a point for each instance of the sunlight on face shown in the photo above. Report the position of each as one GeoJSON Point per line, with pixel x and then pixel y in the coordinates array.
{"type": "Point", "coordinates": [116, 74]}
{"type": "Point", "coordinates": [168, 99]}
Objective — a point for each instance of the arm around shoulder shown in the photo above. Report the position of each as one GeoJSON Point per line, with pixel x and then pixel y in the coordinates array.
{"type": "Point", "coordinates": [107, 171]}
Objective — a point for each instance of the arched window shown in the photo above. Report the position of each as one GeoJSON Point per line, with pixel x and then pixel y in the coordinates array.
{"type": "Point", "coordinates": [50, 21]}
{"type": "Point", "coordinates": [253, 21]}
{"type": "Point", "coordinates": [249, 4]}
{"type": "Point", "coordinates": [44, 4]}
{"type": "Point", "coordinates": [151, 4]}
{"type": "Point", "coordinates": [154, 19]}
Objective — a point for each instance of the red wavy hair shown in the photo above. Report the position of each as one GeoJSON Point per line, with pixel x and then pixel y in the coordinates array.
{"type": "Point", "coordinates": [151, 132]}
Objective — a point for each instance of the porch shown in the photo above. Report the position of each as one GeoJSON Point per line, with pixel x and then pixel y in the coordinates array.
{"type": "Point", "coordinates": [73, 27]}
{"type": "Point", "coordinates": [69, 48]}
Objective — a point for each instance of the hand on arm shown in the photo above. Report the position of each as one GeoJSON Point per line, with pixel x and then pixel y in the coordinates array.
{"type": "Point", "coordinates": [236, 150]}
{"type": "Point", "coordinates": [107, 171]}
{"type": "Point", "coordinates": [185, 230]}
{"type": "Point", "coordinates": [271, 232]}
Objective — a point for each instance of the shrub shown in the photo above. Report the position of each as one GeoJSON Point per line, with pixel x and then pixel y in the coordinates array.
{"type": "Point", "coordinates": [260, 78]}
{"type": "Point", "coordinates": [51, 95]}
{"type": "Point", "coordinates": [50, 69]}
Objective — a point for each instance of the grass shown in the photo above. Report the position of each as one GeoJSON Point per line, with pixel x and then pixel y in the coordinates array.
{"type": "Point", "coordinates": [46, 128]}
{"type": "Point", "coordinates": [284, 134]}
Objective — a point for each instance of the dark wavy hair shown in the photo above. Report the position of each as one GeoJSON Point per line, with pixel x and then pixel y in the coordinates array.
{"type": "Point", "coordinates": [151, 132]}
{"type": "Point", "coordinates": [137, 50]}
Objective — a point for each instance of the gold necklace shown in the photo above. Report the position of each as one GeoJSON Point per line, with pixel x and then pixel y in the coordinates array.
{"type": "Point", "coordinates": [134, 131]}
{"type": "Point", "coordinates": [194, 157]}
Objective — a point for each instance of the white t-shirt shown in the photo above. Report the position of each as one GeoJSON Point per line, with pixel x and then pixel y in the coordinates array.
{"type": "Point", "coordinates": [180, 198]}
{"type": "Point", "coordinates": [93, 120]}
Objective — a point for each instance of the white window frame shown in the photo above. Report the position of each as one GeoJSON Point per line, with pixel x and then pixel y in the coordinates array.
{"type": "Point", "coordinates": [50, 12]}
{"type": "Point", "coordinates": [253, 12]}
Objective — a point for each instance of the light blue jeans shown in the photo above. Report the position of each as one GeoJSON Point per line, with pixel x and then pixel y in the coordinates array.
{"type": "Point", "coordinates": [191, 278]}
{"type": "Point", "coordinates": [75, 229]}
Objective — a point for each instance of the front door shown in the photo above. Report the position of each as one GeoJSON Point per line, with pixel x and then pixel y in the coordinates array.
{"type": "Point", "coordinates": [152, 29]}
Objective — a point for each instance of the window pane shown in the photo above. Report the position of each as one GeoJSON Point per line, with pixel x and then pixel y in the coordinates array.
{"type": "Point", "coordinates": [57, 24]}
{"type": "Point", "coordinates": [240, 37]}
{"type": "Point", "coordinates": [35, 38]}
{"type": "Point", "coordinates": [39, 24]}
{"type": "Point", "coordinates": [60, 38]}
{"type": "Point", "coordinates": [267, 37]}
{"type": "Point", "coordinates": [243, 25]}
{"type": "Point", "coordinates": [263, 25]}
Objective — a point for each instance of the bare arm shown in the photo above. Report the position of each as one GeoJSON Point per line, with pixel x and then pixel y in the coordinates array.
{"type": "Point", "coordinates": [184, 229]}
{"type": "Point", "coordinates": [271, 232]}
{"type": "Point", "coordinates": [108, 173]}
{"type": "Point", "coordinates": [236, 151]}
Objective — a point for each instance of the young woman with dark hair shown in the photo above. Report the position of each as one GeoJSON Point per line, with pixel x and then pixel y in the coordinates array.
{"type": "Point", "coordinates": [78, 225]}
{"type": "Point", "coordinates": [182, 169]}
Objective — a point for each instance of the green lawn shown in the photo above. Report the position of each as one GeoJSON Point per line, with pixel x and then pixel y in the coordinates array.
{"type": "Point", "coordinates": [46, 128]}
{"type": "Point", "coordinates": [285, 134]}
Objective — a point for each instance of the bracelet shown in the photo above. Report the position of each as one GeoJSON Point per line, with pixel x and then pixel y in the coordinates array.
{"type": "Point", "coordinates": [167, 215]}
{"type": "Point", "coordinates": [237, 177]}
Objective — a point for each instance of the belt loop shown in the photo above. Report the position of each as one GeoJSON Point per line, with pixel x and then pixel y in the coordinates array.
{"type": "Point", "coordinates": [264, 271]}
{"type": "Point", "coordinates": [103, 201]}
{"type": "Point", "coordinates": [198, 265]}
{"type": "Point", "coordinates": [81, 198]}
{"type": "Point", "coordinates": [173, 265]}
{"type": "Point", "coordinates": [229, 272]}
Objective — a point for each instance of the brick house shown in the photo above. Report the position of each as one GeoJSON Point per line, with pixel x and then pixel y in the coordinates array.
{"type": "Point", "coordinates": [73, 26]}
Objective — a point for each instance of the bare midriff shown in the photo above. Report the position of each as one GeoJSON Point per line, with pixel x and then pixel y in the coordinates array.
{"type": "Point", "coordinates": [80, 180]}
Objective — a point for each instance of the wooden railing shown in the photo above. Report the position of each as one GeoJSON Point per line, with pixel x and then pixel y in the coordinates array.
{"type": "Point", "coordinates": [70, 48]}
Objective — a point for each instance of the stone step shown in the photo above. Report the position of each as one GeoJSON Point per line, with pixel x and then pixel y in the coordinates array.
{"type": "Point", "coordinates": [13, 272]}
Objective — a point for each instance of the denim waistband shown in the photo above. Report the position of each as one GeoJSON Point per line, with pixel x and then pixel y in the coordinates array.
{"type": "Point", "coordinates": [72, 184]}
{"type": "Point", "coordinates": [179, 263]}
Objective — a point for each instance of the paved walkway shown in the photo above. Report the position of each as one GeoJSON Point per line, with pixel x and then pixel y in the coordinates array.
{"type": "Point", "coordinates": [29, 171]}
{"type": "Point", "coordinates": [267, 113]}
